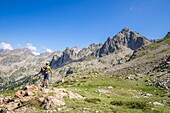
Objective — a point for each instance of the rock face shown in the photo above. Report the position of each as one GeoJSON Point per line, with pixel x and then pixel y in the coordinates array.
{"type": "Point", "coordinates": [49, 99]}
{"type": "Point", "coordinates": [67, 56]}
{"type": "Point", "coordinates": [124, 39]}
{"type": "Point", "coordinates": [162, 71]}
{"type": "Point", "coordinates": [73, 55]}
{"type": "Point", "coordinates": [63, 59]}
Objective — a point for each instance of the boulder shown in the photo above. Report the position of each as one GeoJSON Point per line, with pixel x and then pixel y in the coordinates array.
{"type": "Point", "coordinates": [11, 106]}
{"type": "Point", "coordinates": [52, 99]}
{"type": "Point", "coordinates": [157, 103]}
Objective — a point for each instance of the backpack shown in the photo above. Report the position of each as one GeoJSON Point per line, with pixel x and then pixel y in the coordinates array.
{"type": "Point", "coordinates": [44, 70]}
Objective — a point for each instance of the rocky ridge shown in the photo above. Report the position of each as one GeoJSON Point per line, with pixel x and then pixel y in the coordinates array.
{"type": "Point", "coordinates": [73, 55]}
{"type": "Point", "coordinates": [31, 96]}
{"type": "Point", "coordinates": [126, 41]}
{"type": "Point", "coordinates": [126, 38]}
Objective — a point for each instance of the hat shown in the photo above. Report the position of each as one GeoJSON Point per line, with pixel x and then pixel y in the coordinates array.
{"type": "Point", "coordinates": [47, 63]}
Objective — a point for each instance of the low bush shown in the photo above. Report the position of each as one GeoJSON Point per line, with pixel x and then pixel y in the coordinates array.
{"type": "Point", "coordinates": [93, 100]}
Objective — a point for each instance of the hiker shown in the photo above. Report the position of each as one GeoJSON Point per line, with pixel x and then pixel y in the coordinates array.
{"type": "Point", "coordinates": [45, 71]}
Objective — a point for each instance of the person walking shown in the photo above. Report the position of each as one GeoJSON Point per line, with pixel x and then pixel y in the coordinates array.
{"type": "Point", "coordinates": [46, 71]}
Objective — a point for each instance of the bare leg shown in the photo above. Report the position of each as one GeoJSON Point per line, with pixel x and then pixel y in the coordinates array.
{"type": "Point", "coordinates": [43, 82]}
{"type": "Point", "coordinates": [47, 82]}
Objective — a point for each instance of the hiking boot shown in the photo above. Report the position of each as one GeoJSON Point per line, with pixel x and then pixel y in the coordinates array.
{"type": "Point", "coordinates": [47, 87]}
{"type": "Point", "coordinates": [42, 85]}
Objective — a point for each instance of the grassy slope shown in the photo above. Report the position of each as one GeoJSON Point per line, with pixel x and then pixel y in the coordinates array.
{"type": "Point", "coordinates": [159, 48]}
{"type": "Point", "coordinates": [120, 98]}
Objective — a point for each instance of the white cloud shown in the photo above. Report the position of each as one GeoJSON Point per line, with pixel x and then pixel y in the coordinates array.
{"type": "Point", "coordinates": [32, 48]}
{"type": "Point", "coordinates": [49, 50]}
{"type": "Point", "coordinates": [5, 46]}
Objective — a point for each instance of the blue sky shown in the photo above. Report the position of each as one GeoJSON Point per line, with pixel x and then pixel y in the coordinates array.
{"type": "Point", "coordinates": [45, 25]}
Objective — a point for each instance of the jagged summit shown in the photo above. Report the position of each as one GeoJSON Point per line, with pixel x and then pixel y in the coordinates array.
{"type": "Point", "coordinates": [168, 35]}
{"type": "Point", "coordinates": [125, 29]}
{"type": "Point", "coordinates": [126, 38]}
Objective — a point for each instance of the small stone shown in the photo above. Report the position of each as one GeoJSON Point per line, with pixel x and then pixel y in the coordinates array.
{"type": "Point", "coordinates": [110, 87]}
{"type": "Point", "coordinates": [41, 99]}
{"type": "Point", "coordinates": [59, 109]}
{"type": "Point", "coordinates": [152, 108]}
{"type": "Point", "coordinates": [97, 112]}
{"type": "Point", "coordinates": [148, 94]}
{"type": "Point", "coordinates": [157, 103]}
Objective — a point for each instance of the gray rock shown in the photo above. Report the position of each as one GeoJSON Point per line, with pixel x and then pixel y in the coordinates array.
{"type": "Point", "coordinates": [157, 104]}
{"type": "Point", "coordinates": [125, 38]}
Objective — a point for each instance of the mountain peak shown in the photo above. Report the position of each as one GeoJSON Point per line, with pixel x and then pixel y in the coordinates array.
{"type": "Point", "coordinates": [129, 31]}
{"type": "Point", "coordinates": [126, 38]}
{"type": "Point", "coordinates": [168, 34]}
{"type": "Point", "coordinates": [125, 29]}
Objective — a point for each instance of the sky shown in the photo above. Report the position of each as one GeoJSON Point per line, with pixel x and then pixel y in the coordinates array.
{"type": "Point", "coordinates": [53, 25]}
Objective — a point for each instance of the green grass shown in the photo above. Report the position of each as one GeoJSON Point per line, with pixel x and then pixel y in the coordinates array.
{"type": "Point", "coordinates": [9, 92]}
{"type": "Point", "coordinates": [118, 99]}
{"type": "Point", "coordinates": [108, 94]}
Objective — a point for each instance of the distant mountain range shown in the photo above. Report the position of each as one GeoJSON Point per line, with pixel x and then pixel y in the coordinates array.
{"type": "Point", "coordinates": [18, 66]}
{"type": "Point", "coordinates": [126, 40]}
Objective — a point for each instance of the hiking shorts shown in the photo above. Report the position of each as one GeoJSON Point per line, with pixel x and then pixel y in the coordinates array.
{"type": "Point", "coordinates": [46, 76]}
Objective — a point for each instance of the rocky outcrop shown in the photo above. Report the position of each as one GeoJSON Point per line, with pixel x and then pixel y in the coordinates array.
{"type": "Point", "coordinates": [32, 96]}
{"type": "Point", "coordinates": [87, 51]}
{"type": "Point", "coordinates": [162, 71]}
{"type": "Point", "coordinates": [124, 39]}
{"type": "Point", "coordinates": [154, 40]}
{"type": "Point", "coordinates": [73, 55]}
{"type": "Point", "coordinates": [63, 59]}
{"type": "Point", "coordinates": [94, 46]}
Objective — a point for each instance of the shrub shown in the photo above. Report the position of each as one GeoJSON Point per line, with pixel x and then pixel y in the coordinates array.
{"type": "Point", "coordinates": [93, 100]}
{"type": "Point", "coordinates": [116, 103]}
{"type": "Point", "coordinates": [137, 105]}
{"type": "Point", "coordinates": [132, 104]}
